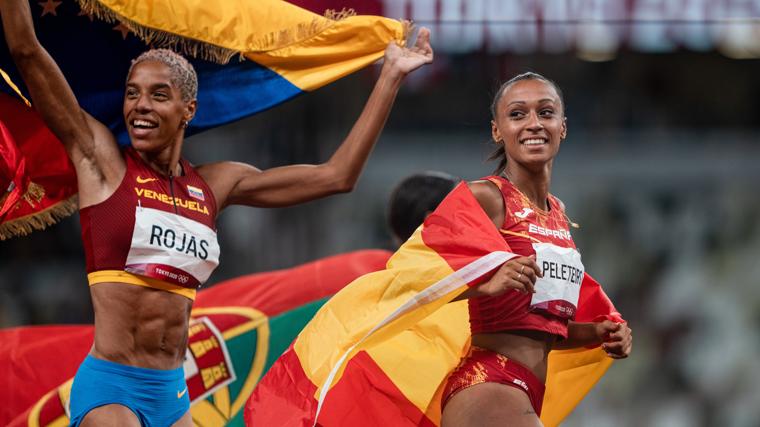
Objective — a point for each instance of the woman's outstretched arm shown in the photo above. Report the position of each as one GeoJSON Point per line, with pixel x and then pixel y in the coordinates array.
{"type": "Point", "coordinates": [237, 183]}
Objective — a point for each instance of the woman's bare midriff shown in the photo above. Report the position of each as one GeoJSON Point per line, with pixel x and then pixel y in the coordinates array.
{"type": "Point", "coordinates": [528, 348]}
{"type": "Point", "coordinates": [139, 326]}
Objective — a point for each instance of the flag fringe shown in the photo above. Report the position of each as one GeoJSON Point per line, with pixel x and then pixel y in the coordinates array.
{"type": "Point", "coordinates": [344, 13]}
{"type": "Point", "coordinates": [38, 220]}
{"type": "Point", "coordinates": [406, 28]}
{"type": "Point", "coordinates": [159, 38]}
{"type": "Point", "coordinates": [34, 193]}
{"type": "Point", "coordinates": [200, 49]}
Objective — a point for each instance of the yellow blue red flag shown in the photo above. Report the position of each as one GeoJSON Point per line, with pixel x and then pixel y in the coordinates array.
{"type": "Point", "coordinates": [250, 55]}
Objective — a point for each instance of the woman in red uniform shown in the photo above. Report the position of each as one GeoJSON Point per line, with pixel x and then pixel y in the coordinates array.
{"type": "Point", "coordinates": [526, 308]}
{"type": "Point", "coordinates": [148, 215]}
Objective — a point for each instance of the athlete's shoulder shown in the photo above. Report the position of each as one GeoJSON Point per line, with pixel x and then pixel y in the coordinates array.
{"type": "Point", "coordinates": [489, 197]}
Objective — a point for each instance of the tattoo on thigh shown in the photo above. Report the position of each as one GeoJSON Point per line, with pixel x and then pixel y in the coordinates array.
{"type": "Point", "coordinates": [529, 412]}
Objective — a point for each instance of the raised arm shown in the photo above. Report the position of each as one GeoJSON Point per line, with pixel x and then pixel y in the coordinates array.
{"type": "Point", "coordinates": [52, 97]}
{"type": "Point", "coordinates": [237, 183]}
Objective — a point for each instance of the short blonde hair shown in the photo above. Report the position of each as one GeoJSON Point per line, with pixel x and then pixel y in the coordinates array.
{"type": "Point", "coordinates": [182, 73]}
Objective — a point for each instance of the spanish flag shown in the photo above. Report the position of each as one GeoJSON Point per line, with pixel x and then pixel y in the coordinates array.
{"type": "Point", "coordinates": [379, 352]}
{"type": "Point", "coordinates": [250, 55]}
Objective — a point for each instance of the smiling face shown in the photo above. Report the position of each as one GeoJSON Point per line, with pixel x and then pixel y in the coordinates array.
{"type": "Point", "coordinates": [154, 111]}
{"type": "Point", "coordinates": [529, 120]}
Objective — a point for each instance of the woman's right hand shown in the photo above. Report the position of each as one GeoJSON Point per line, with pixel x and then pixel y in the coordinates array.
{"type": "Point", "coordinates": [518, 273]}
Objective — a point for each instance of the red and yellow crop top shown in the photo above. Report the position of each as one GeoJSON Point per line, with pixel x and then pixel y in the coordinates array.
{"type": "Point", "coordinates": [529, 230]}
{"type": "Point", "coordinates": [152, 231]}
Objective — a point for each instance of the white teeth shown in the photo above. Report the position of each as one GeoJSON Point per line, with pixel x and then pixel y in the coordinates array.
{"type": "Point", "coordinates": [143, 123]}
{"type": "Point", "coordinates": [534, 141]}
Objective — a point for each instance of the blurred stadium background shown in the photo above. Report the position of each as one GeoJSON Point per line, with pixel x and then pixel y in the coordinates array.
{"type": "Point", "coordinates": [659, 169]}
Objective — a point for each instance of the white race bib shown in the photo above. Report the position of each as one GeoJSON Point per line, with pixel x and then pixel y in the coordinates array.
{"type": "Point", "coordinates": [558, 291]}
{"type": "Point", "coordinates": [172, 248]}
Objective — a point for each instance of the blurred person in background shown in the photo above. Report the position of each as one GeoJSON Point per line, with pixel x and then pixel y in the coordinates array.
{"type": "Point", "coordinates": [414, 198]}
{"type": "Point", "coordinates": [526, 308]}
{"type": "Point", "coordinates": [133, 374]}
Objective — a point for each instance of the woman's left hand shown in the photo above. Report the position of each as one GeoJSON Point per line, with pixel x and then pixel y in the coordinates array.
{"type": "Point", "coordinates": [617, 337]}
{"type": "Point", "coordinates": [404, 60]}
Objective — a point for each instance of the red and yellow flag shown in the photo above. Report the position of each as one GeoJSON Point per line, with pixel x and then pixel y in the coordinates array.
{"type": "Point", "coordinates": [393, 336]}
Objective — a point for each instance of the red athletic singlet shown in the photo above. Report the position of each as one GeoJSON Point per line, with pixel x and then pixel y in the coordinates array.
{"type": "Point", "coordinates": [141, 235]}
{"type": "Point", "coordinates": [529, 230]}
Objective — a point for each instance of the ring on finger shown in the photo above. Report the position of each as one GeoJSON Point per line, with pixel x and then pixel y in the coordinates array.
{"type": "Point", "coordinates": [519, 276]}
{"type": "Point", "coordinates": [522, 269]}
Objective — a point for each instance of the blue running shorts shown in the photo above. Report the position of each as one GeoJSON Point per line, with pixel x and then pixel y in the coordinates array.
{"type": "Point", "coordinates": [157, 397]}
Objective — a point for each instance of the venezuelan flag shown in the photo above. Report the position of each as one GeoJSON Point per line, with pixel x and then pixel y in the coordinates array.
{"type": "Point", "coordinates": [379, 352]}
{"type": "Point", "coordinates": [250, 55]}
{"type": "Point", "coordinates": [282, 50]}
